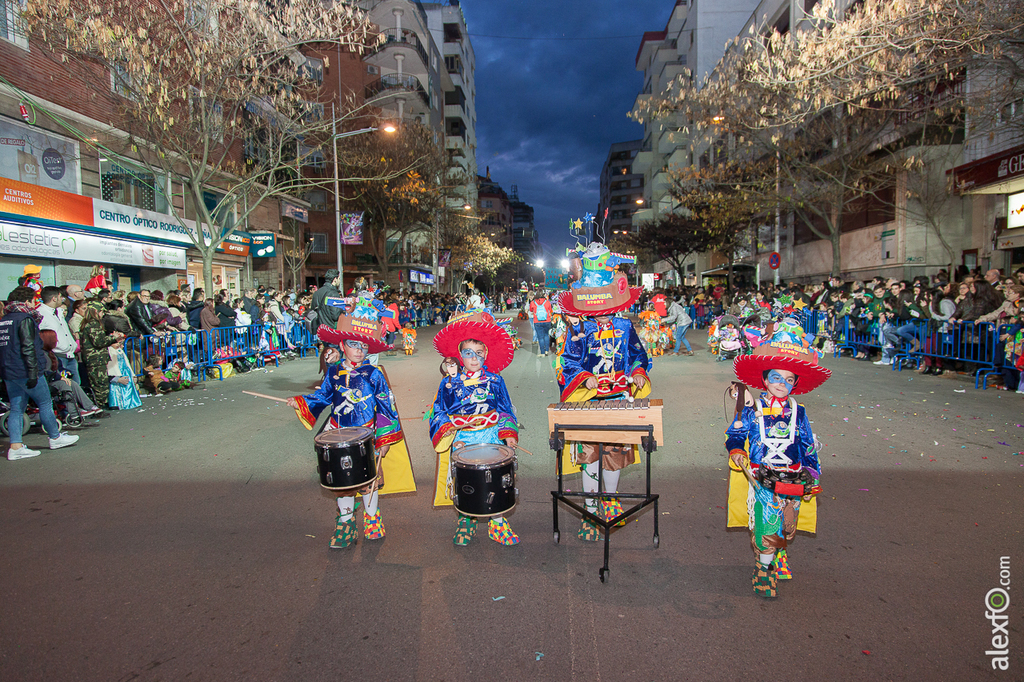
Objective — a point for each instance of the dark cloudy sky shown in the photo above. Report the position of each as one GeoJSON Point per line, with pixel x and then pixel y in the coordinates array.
{"type": "Point", "coordinates": [549, 107]}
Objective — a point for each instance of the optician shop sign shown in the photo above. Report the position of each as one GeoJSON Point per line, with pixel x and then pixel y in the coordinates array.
{"type": "Point", "coordinates": [52, 244]}
{"type": "Point", "coordinates": [32, 201]}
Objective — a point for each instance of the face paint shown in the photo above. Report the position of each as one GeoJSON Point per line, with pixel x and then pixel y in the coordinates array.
{"type": "Point", "coordinates": [775, 378]}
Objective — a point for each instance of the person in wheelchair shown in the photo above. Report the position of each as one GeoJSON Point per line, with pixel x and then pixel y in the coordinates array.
{"type": "Point", "coordinates": [71, 403]}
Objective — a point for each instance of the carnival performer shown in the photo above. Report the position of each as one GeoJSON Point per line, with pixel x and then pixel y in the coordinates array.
{"type": "Point", "coordinates": [32, 278]}
{"type": "Point", "coordinates": [782, 468]}
{"type": "Point", "coordinates": [606, 361]}
{"type": "Point", "coordinates": [472, 406]}
{"type": "Point", "coordinates": [650, 333]}
{"type": "Point", "coordinates": [358, 394]}
{"type": "Point", "coordinates": [408, 339]}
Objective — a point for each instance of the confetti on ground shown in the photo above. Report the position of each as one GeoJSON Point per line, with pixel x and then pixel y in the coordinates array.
{"type": "Point", "coordinates": [865, 652]}
{"type": "Point", "coordinates": [864, 489]}
{"type": "Point", "coordinates": [539, 655]}
{"type": "Point", "coordinates": [496, 598]}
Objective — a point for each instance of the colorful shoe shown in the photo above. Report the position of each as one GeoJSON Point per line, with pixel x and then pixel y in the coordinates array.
{"type": "Point", "coordinates": [610, 509]}
{"type": "Point", "coordinates": [373, 526]}
{"type": "Point", "coordinates": [465, 530]}
{"type": "Point", "coordinates": [764, 580]}
{"type": "Point", "coordinates": [344, 533]}
{"type": "Point", "coordinates": [782, 571]}
{"type": "Point", "coordinates": [588, 532]}
{"type": "Point", "coordinates": [502, 533]}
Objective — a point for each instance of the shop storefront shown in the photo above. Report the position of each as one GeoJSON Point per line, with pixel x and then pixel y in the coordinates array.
{"type": "Point", "coordinates": [1001, 175]}
{"type": "Point", "coordinates": [229, 265]}
{"type": "Point", "coordinates": [66, 234]}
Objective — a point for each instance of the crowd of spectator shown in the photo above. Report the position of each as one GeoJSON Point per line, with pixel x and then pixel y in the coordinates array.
{"type": "Point", "coordinates": [897, 316]}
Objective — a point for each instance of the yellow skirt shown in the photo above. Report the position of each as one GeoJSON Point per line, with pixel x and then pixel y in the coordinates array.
{"type": "Point", "coordinates": [737, 509]}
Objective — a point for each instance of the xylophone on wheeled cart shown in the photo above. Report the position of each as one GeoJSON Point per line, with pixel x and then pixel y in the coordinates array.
{"type": "Point", "coordinates": [636, 422]}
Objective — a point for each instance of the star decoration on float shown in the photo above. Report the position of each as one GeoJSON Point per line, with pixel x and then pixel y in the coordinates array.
{"type": "Point", "coordinates": [578, 224]}
{"type": "Point", "coordinates": [588, 218]}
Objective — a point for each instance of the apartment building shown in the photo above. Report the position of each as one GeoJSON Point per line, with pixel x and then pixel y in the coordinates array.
{"type": "Point", "coordinates": [524, 233]}
{"type": "Point", "coordinates": [914, 227]}
{"type": "Point", "coordinates": [693, 40]}
{"type": "Point", "coordinates": [496, 209]}
{"type": "Point", "coordinates": [448, 28]}
{"type": "Point", "coordinates": [622, 189]}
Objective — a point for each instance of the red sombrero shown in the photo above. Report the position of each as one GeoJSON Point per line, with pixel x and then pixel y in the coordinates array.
{"type": "Point", "coordinates": [782, 352]}
{"type": "Point", "coordinates": [605, 300]}
{"type": "Point", "coordinates": [478, 325]}
{"type": "Point", "coordinates": [354, 329]}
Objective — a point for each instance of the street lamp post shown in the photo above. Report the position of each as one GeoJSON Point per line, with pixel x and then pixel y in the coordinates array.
{"type": "Point", "coordinates": [335, 136]}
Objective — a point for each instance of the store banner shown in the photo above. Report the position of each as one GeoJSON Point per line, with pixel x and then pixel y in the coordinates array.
{"type": "Point", "coordinates": [236, 243]}
{"type": "Point", "coordinates": [38, 157]}
{"type": "Point", "coordinates": [292, 211]}
{"type": "Point", "coordinates": [263, 245]}
{"type": "Point", "coordinates": [352, 228]}
{"type": "Point", "coordinates": [31, 201]}
{"type": "Point", "coordinates": [52, 244]}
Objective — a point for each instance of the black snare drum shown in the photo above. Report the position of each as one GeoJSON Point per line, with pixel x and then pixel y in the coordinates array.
{"type": "Point", "coordinates": [485, 479]}
{"type": "Point", "coordinates": [345, 458]}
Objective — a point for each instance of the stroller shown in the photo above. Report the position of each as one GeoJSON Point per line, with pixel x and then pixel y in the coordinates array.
{"type": "Point", "coordinates": [65, 409]}
{"type": "Point", "coordinates": [730, 338]}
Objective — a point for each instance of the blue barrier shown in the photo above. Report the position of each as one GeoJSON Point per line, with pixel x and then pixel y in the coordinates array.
{"type": "Point", "coordinates": [960, 342]}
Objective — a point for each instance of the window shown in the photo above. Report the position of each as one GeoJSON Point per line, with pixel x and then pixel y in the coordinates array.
{"type": "Point", "coordinates": [132, 187]}
{"type": "Point", "coordinates": [209, 115]}
{"type": "Point", "coordinates": [121, 81]}
{"type": "Point", "coordinates": [317, 199]}
{"type": "Point", "coordinates": [452, 33]}
{"type": "Point", "coordinates": [488, 204]}
{"type": "Point", "coordinates": [223, 212]}
{"type": "Point", "coordinates": [319, 242]}
{"type": "Point", "coordinates": [11, 26]}
{"type": "Point", "coordinates": [313, 69]}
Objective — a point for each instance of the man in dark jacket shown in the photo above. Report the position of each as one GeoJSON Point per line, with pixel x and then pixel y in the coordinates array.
{"type": "Point", "coordinates": [141, 315]}
{"type": "Point", "coordinates": [194, 309]}
{"type": "Point", "coordinates": [328, 314]}
{"type": "Point", "coordinates": [23, 365]}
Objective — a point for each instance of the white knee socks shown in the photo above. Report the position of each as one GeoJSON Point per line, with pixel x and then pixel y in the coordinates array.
{"type": "Point", "coordinates": [611, 483]}
{"type": "Point", "coordinates": [345, 507]}
{"type": "Point", "coordinates": [370, 503]}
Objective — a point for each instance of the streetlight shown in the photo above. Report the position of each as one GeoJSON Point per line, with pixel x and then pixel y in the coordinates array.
{"type": "Point", "coordinates": [335, 136]}
{"type": "Point", "coordinates": [540, 262]}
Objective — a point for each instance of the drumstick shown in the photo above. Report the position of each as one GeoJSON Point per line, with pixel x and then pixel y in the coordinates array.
{"type": "Point", "coordinates": [268, 397]}
{"type": "Point", "coordinates": [524, 449]}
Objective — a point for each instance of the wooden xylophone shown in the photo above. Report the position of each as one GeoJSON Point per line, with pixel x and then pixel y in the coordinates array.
{"type": "Point", "coordinates": [575, 417]}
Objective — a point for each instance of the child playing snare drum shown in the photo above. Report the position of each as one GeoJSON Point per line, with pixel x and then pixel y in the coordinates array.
{"type": "Point", "coordinates": [358, 395]}
{"type": "Point", "coordinates": [472, 406]}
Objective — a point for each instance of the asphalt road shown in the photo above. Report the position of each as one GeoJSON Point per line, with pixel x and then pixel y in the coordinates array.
{"type": "Point", "coordinates": [188, 541]}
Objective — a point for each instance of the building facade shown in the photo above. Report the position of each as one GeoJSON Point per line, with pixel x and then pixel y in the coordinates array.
{"type": "Point", "coordinates": [622, 190]}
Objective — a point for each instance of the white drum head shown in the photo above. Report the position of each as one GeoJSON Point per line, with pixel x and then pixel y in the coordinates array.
{"type": "Point", "coordinates": [349, 435]}
{"type": "Point", "coordinates": [482, 455]}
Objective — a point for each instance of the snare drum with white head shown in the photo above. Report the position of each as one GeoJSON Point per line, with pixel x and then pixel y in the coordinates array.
{"type": "Point", "coordinates": [484, 479]}
{"type": "Point", "coordinates": [345, 458]}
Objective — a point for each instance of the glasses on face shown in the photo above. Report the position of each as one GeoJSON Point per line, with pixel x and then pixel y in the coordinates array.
{"type": "Point", "coordinates": [356, 345]}
{"type": "Point", "coordinates": [469, 354]}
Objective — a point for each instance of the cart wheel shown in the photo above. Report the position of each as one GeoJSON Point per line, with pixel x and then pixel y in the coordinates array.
{"type": "Point", "coordinates": [3, 424]}
{"type": "Point", "coordinates": [604, 575]}
{"type": "Point", "coordinates": [556, 537]}
{"type": "Point", "coordinates": [657, 540]}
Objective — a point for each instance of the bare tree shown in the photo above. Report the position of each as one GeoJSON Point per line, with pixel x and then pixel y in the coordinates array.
{"type": "Point", "coordinates": [214, 97]}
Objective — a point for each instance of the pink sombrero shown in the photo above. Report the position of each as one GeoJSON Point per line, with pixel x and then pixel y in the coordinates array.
{"type": "Point", "coordinates": [787, 349]}
{"type": "Point", "coordinates": [480, 326]}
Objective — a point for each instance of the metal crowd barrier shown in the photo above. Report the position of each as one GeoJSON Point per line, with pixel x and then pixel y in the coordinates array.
{"type": "Point", "coordinates": [202, 349]}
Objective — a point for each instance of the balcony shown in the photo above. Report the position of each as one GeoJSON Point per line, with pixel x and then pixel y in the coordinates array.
{"type": "Point", "coordinates": [393, 84]}
{"type": "Point", "coordinates": [406, 40]}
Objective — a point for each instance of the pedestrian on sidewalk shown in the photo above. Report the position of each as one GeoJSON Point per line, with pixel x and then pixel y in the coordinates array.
{"type": "Point", "coordinates": [678, 316]}
{"type": "Point", "coordinates": [22, 365]}
{"type": "Point", "coordinates": [541, 314]}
